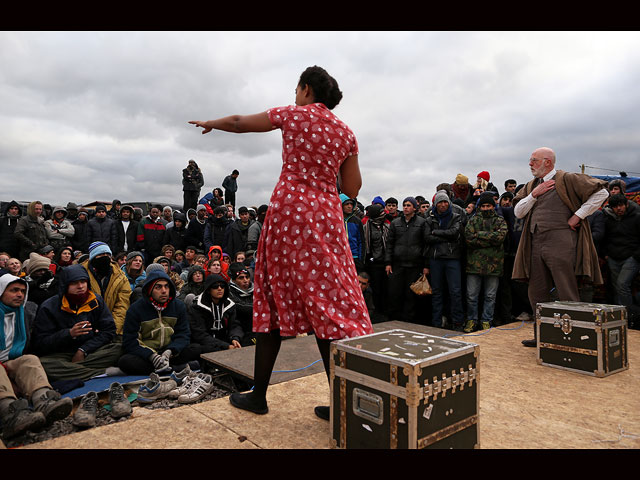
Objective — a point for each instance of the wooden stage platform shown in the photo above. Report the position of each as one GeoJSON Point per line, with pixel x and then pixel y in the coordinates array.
{"type": "Point", "coordinates": [523, 405]}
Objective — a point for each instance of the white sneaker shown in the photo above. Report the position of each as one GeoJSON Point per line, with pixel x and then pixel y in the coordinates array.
{"type": "Point", "coordinates": [187, 383]}
{"type": "Point", "coordinates": [199, 388]}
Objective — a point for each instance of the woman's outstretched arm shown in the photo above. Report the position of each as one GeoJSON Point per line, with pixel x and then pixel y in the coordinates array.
{"type": "Point", "coordinates": [237, 123]}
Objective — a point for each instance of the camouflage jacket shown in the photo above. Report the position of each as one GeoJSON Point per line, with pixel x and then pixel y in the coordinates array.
{"type": "Point", "coordinates": [485, 244]}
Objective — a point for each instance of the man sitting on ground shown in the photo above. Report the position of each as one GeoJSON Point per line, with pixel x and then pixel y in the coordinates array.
{"type": "Point", "coordinates": [74, 330]}
{"type": "Point", "coordinates": [23, 375]}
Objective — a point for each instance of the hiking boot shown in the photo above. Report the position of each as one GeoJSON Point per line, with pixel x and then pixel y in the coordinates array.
{"type": "Point", "coordinates": [486, 325]}
{"type": "Point", "coordinates": [249, 402]}
{"type": "Point", "coordinates": [53, 406]}
{"type": "Point", "coordinates": [469, 326]}
{"type": "Point", "coordinates": [20, 418]}
{"type": "Point", "coordinates": [120, 406]}
{"type": "Point", "coordinates": [155, 389]}
{"type": "Point", "coordinates": [85, 416]}
{"type": "Point", "coordinates": [198, 389]}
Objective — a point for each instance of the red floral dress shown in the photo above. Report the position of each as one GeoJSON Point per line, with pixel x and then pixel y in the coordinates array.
{"type": "Point", "coordinates": [305, 277]}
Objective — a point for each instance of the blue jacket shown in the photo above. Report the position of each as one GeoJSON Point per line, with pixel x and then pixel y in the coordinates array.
{"type": "Point", "coordinates": [355, 235]}
{"type": "Point", "coordinates": [56, 317]}
{"type": "Point", "coordinates": [147, 330]}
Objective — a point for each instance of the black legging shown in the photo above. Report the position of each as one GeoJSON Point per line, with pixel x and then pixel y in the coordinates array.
{"type": "Point", "coordinates": [267, 348]}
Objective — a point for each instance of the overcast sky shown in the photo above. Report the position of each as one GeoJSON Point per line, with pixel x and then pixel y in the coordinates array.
{"type": "Point", "coordinates": [101, 115]}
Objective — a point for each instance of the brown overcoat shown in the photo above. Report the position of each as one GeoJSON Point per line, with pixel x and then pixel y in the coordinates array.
{"type": "Point", "coordinates": [573, 189]}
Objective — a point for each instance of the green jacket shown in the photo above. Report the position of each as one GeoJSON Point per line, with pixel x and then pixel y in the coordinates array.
{"type": "Point", "coordinates": [485, 244]}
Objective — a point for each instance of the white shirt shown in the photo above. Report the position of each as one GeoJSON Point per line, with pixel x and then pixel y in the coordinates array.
{"type": "Point", "coordinates": [587, 208]}
{"type": "Point", "coordinates": [125, 225]}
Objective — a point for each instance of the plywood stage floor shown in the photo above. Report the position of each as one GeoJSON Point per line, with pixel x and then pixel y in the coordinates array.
{"type": "Point", "coordinates": [523, 405]}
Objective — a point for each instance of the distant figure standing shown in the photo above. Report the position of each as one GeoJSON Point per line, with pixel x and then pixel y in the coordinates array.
{"type": "Point", "coordinates": [192, 182]}
{"type": "Point", "coordinates": [230, 185]}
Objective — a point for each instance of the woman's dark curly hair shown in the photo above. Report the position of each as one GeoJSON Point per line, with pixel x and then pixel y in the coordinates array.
{"type": "Point", "coordinates": [324, 86]}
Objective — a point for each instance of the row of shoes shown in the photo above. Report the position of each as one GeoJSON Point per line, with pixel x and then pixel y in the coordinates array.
{"type": "Point", "coordinates": [185, 387]}
{"type": "Point", "coordinates": [87, 412]}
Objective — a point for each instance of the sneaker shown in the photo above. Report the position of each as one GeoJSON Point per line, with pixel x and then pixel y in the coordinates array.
{"type": "Point", "coordinates": [247, 401]}
{"type": "Point", "coordinates": [21, 419]}
{"type": "Point", "coordinates": [486, 325]}
{"type": "Point", "coordinates": [85, 416]}
{"type": "Point", "coordinates": [53, 406]}
{"type": "Point", "coordinates": [469, 326]}
{"type": "Point", "coordinates": [199, 388]}
{"type": "Point", "coordinates": [154, 389]}
{"type": "Point", "coordinates": [187, 382]}
{"type": "Point", "coordinates": [120, 406]}
{"type": "Point", "coordinates": [180, 376]}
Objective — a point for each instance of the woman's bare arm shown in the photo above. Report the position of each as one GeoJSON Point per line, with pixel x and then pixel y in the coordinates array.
{"type": "Point", "coordinates": [350, 178]}
{"type": "Point", "coordinates": [258, 122]}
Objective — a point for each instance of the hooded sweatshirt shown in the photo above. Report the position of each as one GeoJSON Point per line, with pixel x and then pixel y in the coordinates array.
{"type": "Point", "coordinates": [58, 314]}
{"type": "Point", "coordinates": [214, 324]}
{"type": "Point", "coordinates": [60, 232]}
{"type": "Point", "coordinates": [15, 331]}
{"type": "Point", "coordinates": [150, 328]}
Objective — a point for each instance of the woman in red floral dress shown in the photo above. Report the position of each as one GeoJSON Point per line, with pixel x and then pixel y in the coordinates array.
{"type": "Point", "coordinates": [305, 277]}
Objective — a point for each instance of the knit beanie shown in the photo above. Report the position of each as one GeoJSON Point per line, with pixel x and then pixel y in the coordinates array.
{"type": "Point", "coordinates": [100, 207]}
{"type": "Point", "coordinates": [412, 201]}
{"type": "Point", "coordinates": [97, 248]}
{"type": "Point", "coordinates": [133, 254]}
{"type": "Point", "coordinates": [485, 175]}
{"type": "Point", "coordinates": [441, 196]}
{"type": "Point", "coordinates": [486, 197]}
{"type": "Point", "coordinates": [379, 201]}
{"type": "Point", "coordinates": [37, 262]}
{"type": "Point", "coordinates": [153, 267]}
{"type": "Point", "coordinates": [462, 179]}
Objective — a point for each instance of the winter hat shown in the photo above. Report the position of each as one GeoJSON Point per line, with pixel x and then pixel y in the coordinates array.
{"type": "Point", "coordinates": [201, 207]}
{"type": "Point", "coordinates": [378, 200]}
{"type": "Point", "coordinates": [412, 201]}
{"type": "Point", "coordinates": [441, 196]}
{"type": "Point", "coordinates": [133, 254]}
{"type": "Point", "coordinates": [154, 266]}
{"type": "Point", "coordinates": [236, 269]}
{"type": "Point", "coordinates": [98, 248]}
{"type": "Point", "coordinates": [486, 197]}
{"type": "Point", "coordinates": [46, 249]}
{"type": "Point", "coordinates": [462, 179]}
{"type": "Point", "coordinates": [485, 175]}
{"type": "Point", "coordinates": [100, 207]}
{"type": "Point", "coordinates": [37, 262]}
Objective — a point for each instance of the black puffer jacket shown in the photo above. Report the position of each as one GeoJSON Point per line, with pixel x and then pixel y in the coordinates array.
{"type": "Point", "coordinates": [103, 230]}
{"type": "Point", "coordinates": [406, 242]}
{"type": "Point", "coordinates": [444, 242]}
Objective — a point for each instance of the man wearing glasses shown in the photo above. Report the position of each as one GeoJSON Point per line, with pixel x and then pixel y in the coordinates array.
{"type": "Point", "coordinates": [556, 245]}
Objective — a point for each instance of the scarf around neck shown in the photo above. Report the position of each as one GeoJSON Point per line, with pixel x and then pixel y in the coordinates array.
{"type": "Point", "coordinates": [20, 331]}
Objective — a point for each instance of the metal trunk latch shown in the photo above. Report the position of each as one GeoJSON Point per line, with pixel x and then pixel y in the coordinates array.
{"type": "Point", "coordinates": [563, 322]}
